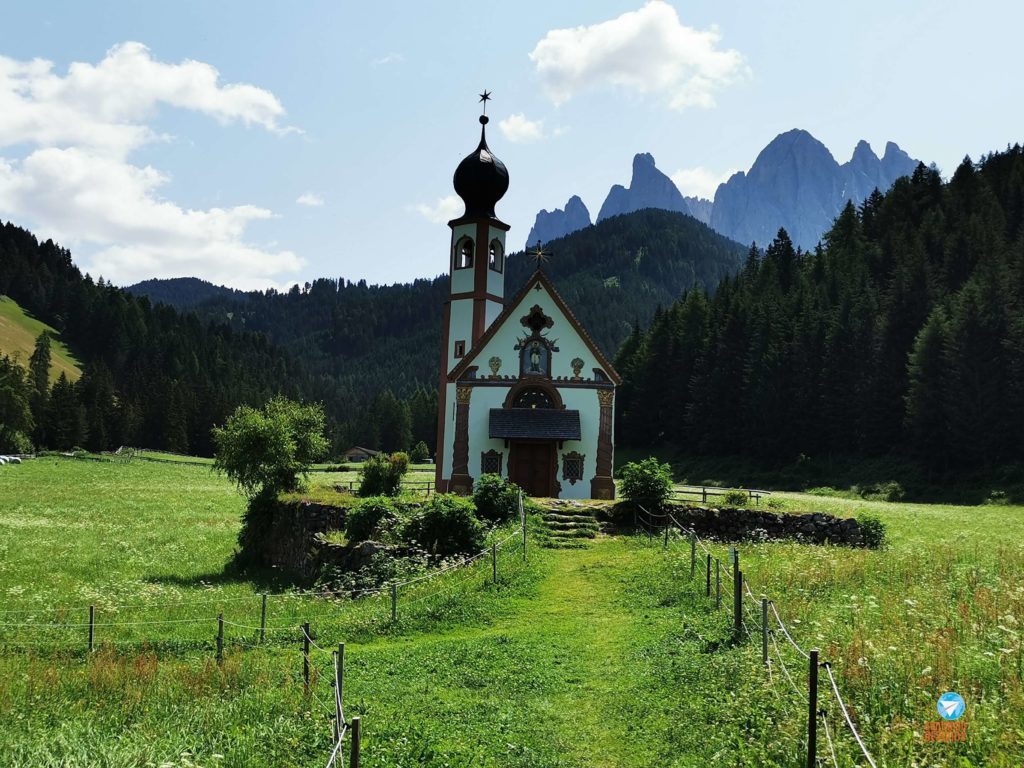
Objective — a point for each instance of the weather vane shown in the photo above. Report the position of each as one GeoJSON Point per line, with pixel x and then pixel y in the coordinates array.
{"type": "Point", "coordinates": [485, 97]}
{"type": "Point", "coordinates": [540, 254]}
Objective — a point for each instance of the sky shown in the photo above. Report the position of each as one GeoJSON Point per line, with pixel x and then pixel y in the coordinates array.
{"type": "Point", "coordinates": [259, 144]}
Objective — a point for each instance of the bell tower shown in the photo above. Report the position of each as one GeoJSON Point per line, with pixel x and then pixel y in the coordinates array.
{"type": "Point", "coordinates": [476, 264]}
{"type": "Point", "coordinates": [477, 253]}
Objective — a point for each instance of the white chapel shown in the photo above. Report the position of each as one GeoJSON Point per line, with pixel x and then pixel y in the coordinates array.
{"type": "Point", "coordinates": [524, 391]}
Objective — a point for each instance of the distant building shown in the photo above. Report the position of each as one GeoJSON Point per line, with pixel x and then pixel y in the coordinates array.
{"type": "Point", "coordinates": [524, 391]}
{"type": "Point", "coordinates": [358, 454]}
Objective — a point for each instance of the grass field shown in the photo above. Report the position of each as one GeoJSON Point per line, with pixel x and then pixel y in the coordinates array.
{"type": "Point", "coordinates": [605, 656]}
{"type": "Point", "coordinates": [18, 334]}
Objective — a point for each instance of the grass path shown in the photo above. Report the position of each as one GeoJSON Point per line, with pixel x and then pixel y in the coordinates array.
{"type": "Point", "coordinates": [569, 675]}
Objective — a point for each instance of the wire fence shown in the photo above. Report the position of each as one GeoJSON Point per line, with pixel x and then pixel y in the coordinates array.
{"type": "Point", "coordinates": [41, 628]}
{"type": "Point", "coordinates": [763, 615]}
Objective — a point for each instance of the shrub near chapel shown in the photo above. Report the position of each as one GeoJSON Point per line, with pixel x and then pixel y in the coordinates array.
{"type": "Point", "coordinates": [647, 482]}
{"type": "Point", "coordinates": [496, 499]}
{"type": "Point", "coordinates": [382, 475]}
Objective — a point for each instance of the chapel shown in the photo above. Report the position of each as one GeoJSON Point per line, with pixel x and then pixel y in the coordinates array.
{"type": "Point", "coordinates": [524, 391]}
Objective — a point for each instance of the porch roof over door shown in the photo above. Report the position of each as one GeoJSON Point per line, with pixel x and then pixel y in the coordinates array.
{"type": "Point", "coordinates": [534, 424]}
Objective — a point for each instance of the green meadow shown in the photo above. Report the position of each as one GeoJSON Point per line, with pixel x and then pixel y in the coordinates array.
{"type": "Point", "coordinates": [604, 656]}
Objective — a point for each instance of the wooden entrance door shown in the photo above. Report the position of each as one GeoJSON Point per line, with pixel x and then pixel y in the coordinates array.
{"type": "Point", "coordinates": [532, 466]}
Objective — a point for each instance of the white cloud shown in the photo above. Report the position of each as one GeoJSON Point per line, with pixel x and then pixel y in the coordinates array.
{"type": "Point", "coordinates": [311, 199]}
{"type": "Point", "coordinates": [80, 197]}
{"type": "Point", "coordinates": [441, 212]}
{"type": "Point", "coordinates": [391, 58]}
{"type": "Point", "coordinates": [648, 51]}
{"type": "Point", "coordinates": [70, 178]}
{"type": "Point", "coordinates": [517, 129]}
{"type": "Point", "coordinates": [699, 181]}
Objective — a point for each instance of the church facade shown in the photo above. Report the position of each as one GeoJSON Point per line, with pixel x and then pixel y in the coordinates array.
{"type": "Point", "coordinates": [524, 392]}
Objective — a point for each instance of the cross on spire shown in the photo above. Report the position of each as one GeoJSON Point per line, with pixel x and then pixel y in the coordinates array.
{"type": "Point", "coordinates": [540, 254]}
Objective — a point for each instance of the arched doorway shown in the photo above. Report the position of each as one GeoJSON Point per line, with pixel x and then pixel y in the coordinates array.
{"type": "Point", "coordinates": [533, 461]}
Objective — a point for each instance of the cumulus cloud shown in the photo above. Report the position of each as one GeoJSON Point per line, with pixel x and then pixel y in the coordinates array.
{"type": "Point", "coordinates": [441, 212]}
{"type": "Point", "coordinates": [310, 199]}
{"type": "Point", "coordinates": [67, 174]}
{"type": "Point", "coordinates": [518, 129]}
{"type": "Point", "coordinates": [648, 51]}
{"type": "Point", "coordinates": [699, 181]}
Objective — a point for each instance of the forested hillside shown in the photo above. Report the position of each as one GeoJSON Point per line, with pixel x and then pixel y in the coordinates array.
{"type": "Point", "coordinates": [151, 376]}
{"type": "Point", "coordinates": [371, 337]}
{"type": "Point", "coordinates": [903, 334]}
{"type": "Point", "coordinates": [160, 377]}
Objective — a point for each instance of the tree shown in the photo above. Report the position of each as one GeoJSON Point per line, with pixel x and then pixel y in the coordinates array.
{"type": "Point", "coordinates": [39, 378]}
{"type": "Point", "coordinates": [15, 412]}
{"type": "Point", "coordinates": [419, 453]}
{"type": "Point", "coordinates": [264, 451]}
{"type": "Point", "coordinates": [65, 417]}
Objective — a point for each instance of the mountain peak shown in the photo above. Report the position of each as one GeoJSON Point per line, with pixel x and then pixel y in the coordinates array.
{"type": "Point", "coordinates": [796, 183]}
{"type": "Point", "coordinates": [551, 225]}
{"type": "Point", "coordinates": [648, 188]}
{"type": "Point", "coordinates": [863, 152]}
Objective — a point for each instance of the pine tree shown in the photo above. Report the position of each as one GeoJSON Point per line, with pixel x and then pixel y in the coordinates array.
{"type": "Point", "coordinates": [39, 378]}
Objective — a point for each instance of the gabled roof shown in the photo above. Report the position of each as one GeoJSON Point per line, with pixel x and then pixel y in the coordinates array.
{"type": "Point", "coordinates": [360, 448]}
{"type": "Point", "coordinates": [537, 277]}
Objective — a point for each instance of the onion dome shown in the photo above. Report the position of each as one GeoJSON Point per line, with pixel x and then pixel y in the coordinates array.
{"type": "Point", "coordinates": [481, 179]}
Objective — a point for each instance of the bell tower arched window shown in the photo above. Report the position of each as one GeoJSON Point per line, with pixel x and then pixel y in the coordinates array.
{"type": "Point", "coordinates": [464, 253]}
{"type": "Point", "coordinates": [496, 256]}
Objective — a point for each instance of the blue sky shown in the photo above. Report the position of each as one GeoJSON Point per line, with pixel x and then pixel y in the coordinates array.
{"type": "Point", "coordinates": [262, 143]}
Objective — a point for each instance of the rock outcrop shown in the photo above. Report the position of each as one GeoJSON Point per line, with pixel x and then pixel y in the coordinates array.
{"type": "Point", "coordinates": [551, 225]}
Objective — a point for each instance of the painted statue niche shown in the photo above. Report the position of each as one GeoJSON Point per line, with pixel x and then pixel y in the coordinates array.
{"type": "Point", "coordinates": [535, 349]}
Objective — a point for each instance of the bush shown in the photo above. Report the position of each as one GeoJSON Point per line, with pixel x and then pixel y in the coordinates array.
{"type": "Point", "coordinates": [496, 499]}
{"type": "Point", "coordinates": [265, 450]}
{"type": "Point", "coordinates": [872, 530]}
{"type": "Point", "coordinates": [774, 504]}
{"type": "Point", "coordinates": [647, 482]}
{"type": "Point", "coordinates": [382, 475]}
{"type": "Point", "coordinates": [735, 498]}
{"type": "Point", "coordinates": [445, 525]}
{"type": "Point", "coordinates": [419, 453]}
{"type": "Point", "coordinates": [890, 491]}
{"type": "Point", "coordinates": [370, 517]}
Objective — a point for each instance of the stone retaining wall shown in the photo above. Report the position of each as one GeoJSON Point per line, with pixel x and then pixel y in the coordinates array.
{"type": "Point", "coordinates": [745, 524]}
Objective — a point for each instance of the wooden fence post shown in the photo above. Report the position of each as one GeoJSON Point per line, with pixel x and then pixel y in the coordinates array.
{"type": "Point", "coordinates": [263, 617]}
{"type": "Point", "coordinates": [305, 658]}
{"type": "Point", "coordinates": [666, 536]}
{"type": "Point", "coordinates": [764, 630]}
{"type": "Point", "coordinates": [92, 627]}
{"type": "Point", "coordinates": [494, 561]}
{"type": "Point", "coordinates": [693, 554]}
{"type": "Point", "coordinates": [220, 639]}
{"type": "Point", "coordinates": [812, 709]}
{"type": "Point", "coordinates": [354, 749]}
{"type": "Point", "coordinates": [707, 577]}
{"type": "Point", "coordinates": [394, 602]}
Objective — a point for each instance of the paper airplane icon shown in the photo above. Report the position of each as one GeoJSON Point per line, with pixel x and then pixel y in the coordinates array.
{"type": "Point", "coordinates": [950, 706]}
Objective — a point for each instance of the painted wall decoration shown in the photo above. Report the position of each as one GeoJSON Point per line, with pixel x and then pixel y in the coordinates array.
{"type": "Point", "coordinates": [577, 366]}
{"type": "Point", "coordinates": [495, 365]}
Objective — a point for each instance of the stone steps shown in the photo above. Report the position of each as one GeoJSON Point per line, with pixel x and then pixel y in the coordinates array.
{"type": "Point", "coordinates": [569, 526]}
